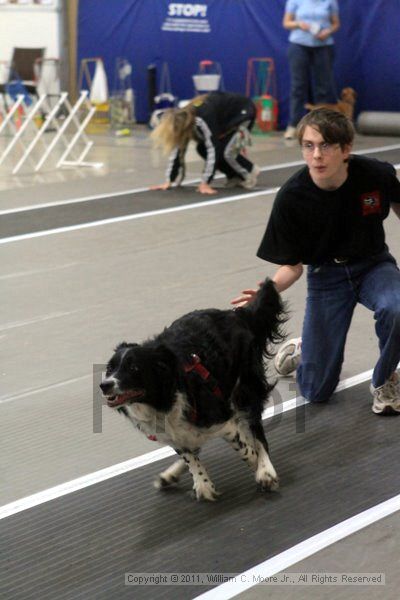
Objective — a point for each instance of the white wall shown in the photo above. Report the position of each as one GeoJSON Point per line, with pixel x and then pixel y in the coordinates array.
{"type": "Point", "coordinates": [30, 26]}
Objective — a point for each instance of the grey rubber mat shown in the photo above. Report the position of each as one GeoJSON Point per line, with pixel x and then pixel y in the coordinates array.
{"type": "Point", "coordinates": [334, 461]}
{"type": "Point", "coordinates": [43, 219]}
{"type": "Point", "coordinates": [64, 215]}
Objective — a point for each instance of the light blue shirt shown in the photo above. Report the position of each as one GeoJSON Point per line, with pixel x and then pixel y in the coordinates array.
{"type": "Point", "coordinates": [315, 12]}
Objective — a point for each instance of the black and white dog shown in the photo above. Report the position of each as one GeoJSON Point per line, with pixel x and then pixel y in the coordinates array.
{"type": "Point", "coordinates": [202, 377]}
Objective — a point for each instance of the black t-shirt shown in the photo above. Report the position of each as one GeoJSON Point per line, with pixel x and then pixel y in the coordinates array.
{"type": "Point", "coordinates": [312, 226]}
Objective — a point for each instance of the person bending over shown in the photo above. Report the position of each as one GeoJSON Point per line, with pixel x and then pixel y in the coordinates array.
{"type": "Point", "coordinates": [329, 216]}
{"type": "Point", "coordinates": [220, 124]}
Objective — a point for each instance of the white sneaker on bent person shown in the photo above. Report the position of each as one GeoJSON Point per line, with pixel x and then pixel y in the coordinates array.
{"type": "Point", "coordinates": [251, 180]}
{"type": "Point", "coordinates": [233, 182]}
{"type": "Point", "coordinates": [290, 133]}
{"type": "Point", "coordinates": [386, 398]}
{"type": "Point", "coordinates": [288, 357]}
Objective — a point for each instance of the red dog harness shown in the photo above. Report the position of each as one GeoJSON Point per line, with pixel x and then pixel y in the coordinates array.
{"type": "Point", "coordinates": [204, 373]}
{"type": "Point", "coordinates": [197, 366]}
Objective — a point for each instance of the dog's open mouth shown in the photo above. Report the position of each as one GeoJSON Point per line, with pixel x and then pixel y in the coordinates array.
{"type": "Point", "coordinates": [129, 396]}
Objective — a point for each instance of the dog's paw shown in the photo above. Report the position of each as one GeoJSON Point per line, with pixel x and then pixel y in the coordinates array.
{"type": "Point", "coordinates": [162, 482]}
{"type": "Point", "coordinates": [205, 490]}
{"type": "Point", "coordinates": [267, 480]}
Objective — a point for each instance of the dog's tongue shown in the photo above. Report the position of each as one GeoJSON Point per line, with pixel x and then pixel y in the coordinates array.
{"type": "Point", "coordinates": [122, 398]}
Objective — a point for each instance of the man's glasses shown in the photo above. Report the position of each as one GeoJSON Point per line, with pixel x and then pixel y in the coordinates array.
{"type": "Point", "coordinates": [324, 147]}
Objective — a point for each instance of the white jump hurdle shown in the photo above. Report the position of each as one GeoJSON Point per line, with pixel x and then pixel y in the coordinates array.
{"type": "Point", "coordinates": [50, 133]}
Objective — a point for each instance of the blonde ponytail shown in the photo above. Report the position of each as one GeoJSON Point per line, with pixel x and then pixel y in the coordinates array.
{"type": "Point", "coordinates": [176, 127]}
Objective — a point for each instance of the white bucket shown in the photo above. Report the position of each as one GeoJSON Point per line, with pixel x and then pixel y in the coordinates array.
{"type": "Point", "coordinates": [206, 83]}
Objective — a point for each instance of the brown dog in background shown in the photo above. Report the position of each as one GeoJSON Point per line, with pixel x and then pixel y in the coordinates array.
{"type": "Point", "coordinates": [345, 105]}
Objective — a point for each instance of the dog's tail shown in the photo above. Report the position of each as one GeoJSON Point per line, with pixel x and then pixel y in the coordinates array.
{"type": "Point", "coordinates": [266, 315]}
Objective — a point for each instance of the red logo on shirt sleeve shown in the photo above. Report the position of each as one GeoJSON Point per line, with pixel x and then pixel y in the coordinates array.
{"type": "Point", "coordinates": [371, 203]}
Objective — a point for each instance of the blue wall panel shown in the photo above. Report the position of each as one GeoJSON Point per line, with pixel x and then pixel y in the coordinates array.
{"type": "Point", "coordinates": [367, 45]}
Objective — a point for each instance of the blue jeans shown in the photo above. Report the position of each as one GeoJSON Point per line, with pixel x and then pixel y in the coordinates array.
{"type": "Point", "coordinates": [333, 292]}
{"type": "Point", "coordinates": [308, 64]}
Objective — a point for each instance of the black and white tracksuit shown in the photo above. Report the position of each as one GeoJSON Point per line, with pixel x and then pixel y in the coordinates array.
{"type": "Point", "coordinates": [217, 122]}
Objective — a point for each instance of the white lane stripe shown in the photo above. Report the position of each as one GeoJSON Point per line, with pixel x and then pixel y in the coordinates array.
{"type": "Point", "coordinates": [303, 550]}
{"type": "Point", "coordinates": [82, 482]}
{"type": "Point", "coordinates": [27, 236]}
{"type": "Point", "coordinates": [111, 195]}
{"type": "Point", "coordinates": [139, 461]}
{"type": "Point", "coordinates": [131, 191]}
{"type": "Point", "coordinates": [38, 319]}
{"type": "Point", "coordinates": [151, 213]}
{"type": "Point", "coordinates": [270, 567]}
{"type": "Point", "coordinates": [37, 271]}
{"type": "Point", "coordinates": [27, 393]}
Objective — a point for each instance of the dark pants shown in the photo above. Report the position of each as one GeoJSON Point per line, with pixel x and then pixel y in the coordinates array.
{"type": "Point", "coordinates": [230, 163]}
{"type": "Point", "coordinates": [309, 64]}
{"type": "Point", "coordinates": [229, 160]}
{"type": "Point", "coordinates": [333, 293]}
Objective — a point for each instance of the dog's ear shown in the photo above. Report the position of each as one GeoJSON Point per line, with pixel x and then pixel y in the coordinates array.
{"type": "Point", "coordinates": [166, 376]}
{"type": "Point", "coordinates": [121, 346]}
{"type": "Point", "coordinates": [124, 345]}
{"type": "Point", "coordinates": [165, 359]}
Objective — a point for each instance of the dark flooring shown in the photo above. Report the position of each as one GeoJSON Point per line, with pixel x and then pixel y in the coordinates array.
{"type": "Point", "coordinates": [87, 211]}
{"type": "Point", "coordinates": [334, 461]}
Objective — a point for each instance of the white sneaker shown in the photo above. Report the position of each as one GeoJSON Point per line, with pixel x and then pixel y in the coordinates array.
{"type": "Point", "coordinates": [233, 182]}
{"type": "Point", "coordinates": [290, 133]}
{"type": "Point", "coordinates": [386, 398]}
{"type": "Point", "coordinates": [251, 180]}
{"type": "Point", "coordinates": [288, 357]}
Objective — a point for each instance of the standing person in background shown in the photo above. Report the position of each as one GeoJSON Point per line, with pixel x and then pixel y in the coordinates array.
{"type": "Point", "coordinates": [220, 124]}
{"type": "Point", "coordinates": [311, 24]}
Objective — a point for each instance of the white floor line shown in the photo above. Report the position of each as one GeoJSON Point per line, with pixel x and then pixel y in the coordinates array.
{"type": "Point", "coordinates": [36, 234]}
{"type": "Point", "coordinates": [139, 461]}
{"type": "Point", "coordinates": [110, 195]}
{"type": "Point", "coordinates": [189, 182]}
{"type": "Point", "coordinates": [82, 482]}
{"type": "Point", "coordinates": [151, 213]}
{"type": "Point", "coordinates": [318, 542]}
{"type": "Point", "coordinates": [126, 192]}
{"type": "Point", "coordinates": [38, 319]}
{"type": "Point", "coordinates": [282, 561]}
{"type": "Point", "coordinates": [28, 393]}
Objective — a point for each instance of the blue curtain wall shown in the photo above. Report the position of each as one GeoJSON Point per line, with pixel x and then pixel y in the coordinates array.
{"type": "Point", "coordinates": [231, 31]}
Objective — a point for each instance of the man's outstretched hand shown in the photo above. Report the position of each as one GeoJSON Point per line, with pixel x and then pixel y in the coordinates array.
{"type": "Point", "coordinates": [246, 297]}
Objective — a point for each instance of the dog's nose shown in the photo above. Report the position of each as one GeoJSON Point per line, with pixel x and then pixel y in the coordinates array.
{"type": "Point", "coordinates": [106, 386]}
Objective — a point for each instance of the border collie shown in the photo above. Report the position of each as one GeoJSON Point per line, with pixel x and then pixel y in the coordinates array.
{"type": "Point", "coordinates": [202, 377]}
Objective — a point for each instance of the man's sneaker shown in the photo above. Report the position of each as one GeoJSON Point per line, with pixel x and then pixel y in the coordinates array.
{"type": "Point", "coordinates": [386, 398]}
{"type": "Point", "coordinates": [290, 133]}
{"type": "Point", "coordinates": [288, 357]}
{"type": "Point", "coordinates": [251, 180]}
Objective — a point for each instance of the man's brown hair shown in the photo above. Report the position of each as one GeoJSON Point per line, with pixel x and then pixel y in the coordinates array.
{"type": "Point", "coordinates": [334, 126]}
